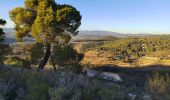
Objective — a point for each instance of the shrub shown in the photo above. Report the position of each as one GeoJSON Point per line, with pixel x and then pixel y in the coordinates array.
{"type": "Point", "coordinates": [26, 85]}
{"type": "Point", "coordinates": [7, 89]}
{"type": "Point", "coordinates": [30, 85]}
{"type": "Point", "coordinates": [66, 57]}
{"type": "Point", "coordinates": [14, 61]}
{"type": "Point", "coordinates": [35, 85]}
{"type": "Point", "coordinates": [72, 87]}
{"type": "Point", "coordinates": [158, 86]}
{"type": "Point", "coordinates": [17, 62]}
{"type": "Point", "coordinates": [4, 51]}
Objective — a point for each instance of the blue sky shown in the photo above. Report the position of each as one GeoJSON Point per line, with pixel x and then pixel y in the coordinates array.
{"type": "Point", "coordinates": [126, 16]}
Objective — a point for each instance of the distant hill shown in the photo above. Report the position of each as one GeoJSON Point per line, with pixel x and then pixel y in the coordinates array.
{"type": "Point", "coordinates": [10, 35]}
{"type": "Point", "coordinates": [100, 33]}
{"type": "Point", "coordinates": [116, 34]}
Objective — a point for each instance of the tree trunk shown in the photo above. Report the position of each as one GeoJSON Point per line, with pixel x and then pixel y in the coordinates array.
{"type": "Point", "coordinates": [45, 59]}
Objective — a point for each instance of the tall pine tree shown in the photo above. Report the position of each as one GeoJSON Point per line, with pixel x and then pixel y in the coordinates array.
{"type": "Point", "coordinates": [46, 22]}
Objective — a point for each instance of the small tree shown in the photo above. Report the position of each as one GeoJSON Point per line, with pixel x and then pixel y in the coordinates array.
{"type": "Point", "coordinates": [2, 22]}
{"type": "Point", "coordinates": [67, 57]}
{"type": "Point", "coordinates": [4, 49]}
{"type": "Point", "coordinates": [45, 21]}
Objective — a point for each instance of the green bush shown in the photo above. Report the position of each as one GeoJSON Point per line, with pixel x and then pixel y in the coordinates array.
{"type": "Point", "coordinates": [14, 61]}
{"type": "Point", "coordinates": [26, 85]}
{"type": "Point", "coordinates": [17, 62]}
{"type": "Point", "coordinates": [36, 87]}
{"type": "Point", "coordinates": [158, 86]}
{"type": "Point", "coordinates": [72, 87]}
{"type": "Point", "coordinates": [30, 85]}
{"type": "Point", "coordinates": [66, 58]}
{"type": "Point", "coordinates": [4, 51]}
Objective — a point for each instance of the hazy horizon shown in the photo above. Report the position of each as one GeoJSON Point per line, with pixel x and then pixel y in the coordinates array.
{"type": "Point", "coordinates": [131, 16]}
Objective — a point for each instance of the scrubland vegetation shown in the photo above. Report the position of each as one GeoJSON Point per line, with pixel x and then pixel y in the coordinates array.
{"type": "Point", "coordinates": [53, 68]}
{"type": "Point", "coordinates": [23, 84]}
{"type": "Point", "coordinates": [65, 78]}
{"type": "Point", "coordinates": [129, 51]}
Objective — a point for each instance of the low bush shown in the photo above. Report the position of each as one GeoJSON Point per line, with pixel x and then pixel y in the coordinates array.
{"type": "Point", "coordinates": [17, 62]}
{"type": "Point", "coordinates": [14, 61]}
{"type": "Point", "coordinates": [30, 85]}
{"type": "Point", "coordinates": [25, 85]}
{"type": "Point", "coordinates": [158, 86]}
{"type": "Point", "coordinates": [71, 87]}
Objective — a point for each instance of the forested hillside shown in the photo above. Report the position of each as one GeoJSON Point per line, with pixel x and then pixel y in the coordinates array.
{"type": "Point", "coordinates": [130, 50]}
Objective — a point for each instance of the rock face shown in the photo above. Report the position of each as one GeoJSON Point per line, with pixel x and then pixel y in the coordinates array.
{"type": "Point", "coordinates": [103, 75]}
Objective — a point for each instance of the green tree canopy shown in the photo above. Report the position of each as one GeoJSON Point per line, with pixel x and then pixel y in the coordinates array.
{"type": "Point", "coordinates": [46, 22]}
{"type": "Point", "coordinates": [67, 56]}
{"type": "Point", "coordinates": [2, 22]}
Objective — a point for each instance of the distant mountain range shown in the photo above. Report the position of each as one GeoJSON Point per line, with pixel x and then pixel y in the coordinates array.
{"type": "Point", "coordinates": [100, 34]}
{"type": "Point", "coordinates": [104, 33]}
{"type": "Point", "coordinates": [10, 35]}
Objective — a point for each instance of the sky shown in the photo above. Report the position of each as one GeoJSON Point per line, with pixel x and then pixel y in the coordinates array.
{"type": "Point", "coordinates": [124, 16]}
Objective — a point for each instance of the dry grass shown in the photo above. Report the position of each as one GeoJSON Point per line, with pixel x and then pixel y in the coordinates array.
{"type": "Point", "coordinates": [97, 58]}
{"type": "Point", "coordinates": [105, 58]}
{"type": "Point", "coordinates": [145, 61]}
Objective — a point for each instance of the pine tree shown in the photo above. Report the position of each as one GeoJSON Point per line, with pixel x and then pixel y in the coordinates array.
{"type": "Point", "coordinates": [47, 22]}
{"type": "Point", "coordinates": [2, 22]}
